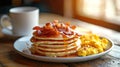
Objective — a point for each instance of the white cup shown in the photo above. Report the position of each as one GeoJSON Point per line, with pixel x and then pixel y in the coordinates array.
{"type": "Point", "coordinates": [22, 20]}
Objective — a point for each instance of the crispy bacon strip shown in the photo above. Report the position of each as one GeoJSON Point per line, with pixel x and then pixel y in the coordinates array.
{"type": "Point", "coordinates": [55, 29]}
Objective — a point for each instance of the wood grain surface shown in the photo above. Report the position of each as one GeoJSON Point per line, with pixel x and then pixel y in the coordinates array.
{"type": "Point", "coordinates": [9, 58]}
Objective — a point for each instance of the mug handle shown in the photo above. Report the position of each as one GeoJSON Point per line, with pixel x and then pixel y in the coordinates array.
{"type": "Point", "coordinates": [2, 22]}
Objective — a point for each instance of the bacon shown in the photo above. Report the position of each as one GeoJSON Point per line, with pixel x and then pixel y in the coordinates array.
{"type": "Point", "coordinates": [36, 28]}
{"type": "Point", "coordinates": [53, 29]}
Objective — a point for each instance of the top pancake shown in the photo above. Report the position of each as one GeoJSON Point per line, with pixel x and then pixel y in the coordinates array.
{"type": "Point", "coordinates": [55, 31]}
{"type": "Point", "coordinates": [59, 37]}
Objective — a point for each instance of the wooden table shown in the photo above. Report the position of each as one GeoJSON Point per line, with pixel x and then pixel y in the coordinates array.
{"type": "Point", "coordinates": [9, 58]}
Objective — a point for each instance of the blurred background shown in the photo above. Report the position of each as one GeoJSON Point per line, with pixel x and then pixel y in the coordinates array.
{"type": "Point", "coordinates": [104, 13]}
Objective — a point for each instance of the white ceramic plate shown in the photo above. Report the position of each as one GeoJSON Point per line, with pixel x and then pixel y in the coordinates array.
{"type": "Point", "coordinates": [21, 47]}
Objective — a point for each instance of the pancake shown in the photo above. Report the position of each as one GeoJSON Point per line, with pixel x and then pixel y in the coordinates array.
{"type": "Point", "coordinates": [55, 40]}
{"type": "Point", "coordinates": [54, 45]}
{"type": "Point", "coordinates": [60, 37]}
{"type": "Point", "coordinates": [59, 51]}
{"type": "Point", "coordinates": [58, 54]}
{"type": "Point", "coordinates": [39, 41]}
{"type": "Point", "coordinates": [63, 48]}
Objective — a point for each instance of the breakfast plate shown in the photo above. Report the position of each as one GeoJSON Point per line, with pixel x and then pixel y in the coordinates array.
{"type": "Point", "coordinates": [23, 44]}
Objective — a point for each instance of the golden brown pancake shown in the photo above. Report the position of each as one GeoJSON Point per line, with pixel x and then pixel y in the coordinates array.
{"type": "Point", "coordinates": [55, 40]}
{"type": "Point", "coordinates": [63, 51]}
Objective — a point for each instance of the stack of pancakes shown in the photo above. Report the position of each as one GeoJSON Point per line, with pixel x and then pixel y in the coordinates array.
{"type": "Point", "coordinates": [55, 40]}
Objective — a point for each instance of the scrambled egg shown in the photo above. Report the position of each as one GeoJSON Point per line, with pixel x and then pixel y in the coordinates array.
{"type": "Point", "coordinates": [91, 44]}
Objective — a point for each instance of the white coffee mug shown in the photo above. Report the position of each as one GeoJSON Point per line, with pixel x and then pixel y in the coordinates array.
{"type": "Point", "coordinates": [22, 20]}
